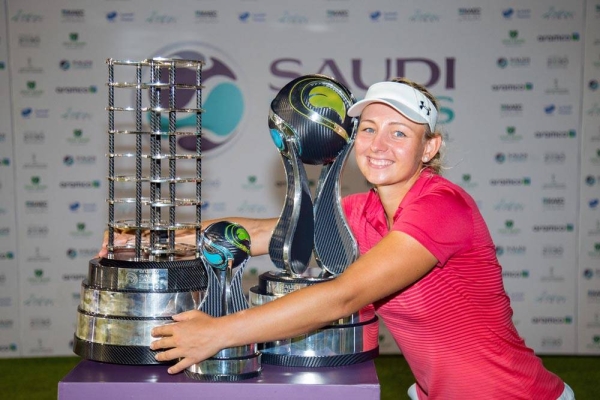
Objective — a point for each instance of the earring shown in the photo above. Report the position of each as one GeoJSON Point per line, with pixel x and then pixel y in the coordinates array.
{"type": "Point", "coordinates": [425, 159]}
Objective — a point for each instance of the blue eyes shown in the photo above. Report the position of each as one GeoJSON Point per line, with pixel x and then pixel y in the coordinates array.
{"type": "Point", "coordinates": [398, 134]}
{"type": "Point", "coordinates": [394, 134]}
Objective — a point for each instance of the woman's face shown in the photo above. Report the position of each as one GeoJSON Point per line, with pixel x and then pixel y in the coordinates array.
{"type": "Point", "coordinates": [389, 147]}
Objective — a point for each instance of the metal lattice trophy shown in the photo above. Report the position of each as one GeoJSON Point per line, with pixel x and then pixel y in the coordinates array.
{"type": "Point", "coordinates": [225, 249]}
{"type": "Point", "coordinates": [309, 124]}
{"type": "Point", "coordinates": [142, 283]}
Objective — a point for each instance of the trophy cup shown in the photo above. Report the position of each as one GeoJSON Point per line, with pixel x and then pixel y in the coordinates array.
{"type": "Point", "coordinates": [225, 249]}
{"type": "Point", "coordinates": [141, 284]}
{"type": "Point", "coordinates": [309, 124]}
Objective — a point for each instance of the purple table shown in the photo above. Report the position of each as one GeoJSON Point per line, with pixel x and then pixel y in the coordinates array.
{"type": "Point", "coordinates": [92, 380]}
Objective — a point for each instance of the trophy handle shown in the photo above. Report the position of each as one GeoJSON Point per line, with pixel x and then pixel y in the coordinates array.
{"type": "Point", "coordinates": [335, 246]}
{"type": "Point", "coordinates": [291, 246]}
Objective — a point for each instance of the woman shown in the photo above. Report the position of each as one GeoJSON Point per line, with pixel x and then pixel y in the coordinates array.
{"type": "Point", "coordinates": [427, 265]}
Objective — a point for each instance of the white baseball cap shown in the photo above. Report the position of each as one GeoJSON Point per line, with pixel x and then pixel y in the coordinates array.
{"type": "Point", "coordinates": [405, 99]}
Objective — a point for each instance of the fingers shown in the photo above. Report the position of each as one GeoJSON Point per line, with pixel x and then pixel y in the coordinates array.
{"type": "Point", "coordinates": [162, 330]}
{"type": "Point", "coordinates": [181, 365]}
{"type": "Point", "coordinates": [186, 315]}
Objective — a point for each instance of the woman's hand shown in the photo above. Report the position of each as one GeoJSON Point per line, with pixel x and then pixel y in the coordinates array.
{"type": "Point", "coordinates": [120, 239]}
{"type": "Point", "coordinates": [193, 337]}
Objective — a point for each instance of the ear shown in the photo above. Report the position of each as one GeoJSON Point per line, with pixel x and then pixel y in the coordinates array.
{"type": "Point", "coordinates": [432, 147]}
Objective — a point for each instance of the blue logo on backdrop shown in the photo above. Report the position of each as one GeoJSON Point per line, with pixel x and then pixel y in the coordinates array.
{"type": "Point", "coordinates": [222, 97]}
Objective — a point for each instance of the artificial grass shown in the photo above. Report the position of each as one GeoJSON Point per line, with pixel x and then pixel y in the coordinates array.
{"type": "Point", "coordinates": [37, 378]}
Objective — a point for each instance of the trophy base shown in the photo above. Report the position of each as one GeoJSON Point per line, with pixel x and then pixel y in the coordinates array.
{"type": "Point", "coordinates": [114, 354]}
{"type": "Point", "coordinates": [349, 340]}
{"type": "Point", "coordinates": [228, 365]}
{"type": "Point", "coordinates": [122, 301]}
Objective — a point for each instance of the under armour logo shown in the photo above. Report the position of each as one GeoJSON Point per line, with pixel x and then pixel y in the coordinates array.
{"type": "Point", "coordinates": [423, 106]}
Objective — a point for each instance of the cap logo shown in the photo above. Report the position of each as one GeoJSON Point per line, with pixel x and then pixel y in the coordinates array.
{"type": "Point", "coordinates": [423, 106]}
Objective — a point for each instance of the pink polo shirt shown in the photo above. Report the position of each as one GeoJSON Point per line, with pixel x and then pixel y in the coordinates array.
{"type": "Point", "coordinates": [454, 326]}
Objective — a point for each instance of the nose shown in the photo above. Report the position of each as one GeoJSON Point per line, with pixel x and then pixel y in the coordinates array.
{"type": "Point", "coordinates": [378, 142]}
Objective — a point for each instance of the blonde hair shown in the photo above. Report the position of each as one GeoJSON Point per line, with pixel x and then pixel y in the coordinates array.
{"type": "Point", "coordinates": [436, 161]}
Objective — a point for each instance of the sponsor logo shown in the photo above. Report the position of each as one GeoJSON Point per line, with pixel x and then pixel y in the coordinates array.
{"type": "Point", "coordinates": [206, 16]}
{"type": "Point", "coordinates": [34, 164]}
{"type": "Point", "coordinates": [553, 228]}
{"type": "Point", "coordinates": [38, 277]}
{"type": "Point", "coordinates": [511, 135]}
{"type": "Point", "coordinates": [508, 205]}
{"type": "Point", "coordinates": [248, 208]}
{"type": "Point", "coordinates": [73, 277]}
{"type": "Point", "coordinates": [37, 231]}
{"type": "Point", "coordinates": [514, 62]}
{"type": "Point", "coordinates": [36, 207]}
{"type": "Point", "coordinates": [550, 342]}
{"type": "Point", "coordinates": [28, 112]}
{"type": "Point", "coordinates": [38, 301]}
{"type": "Point", "coordinates": [561, 109]}
{"type": "Point", "coordinates": [512, 87]}
{"type": "Point", "coordinates": [554, 184]}
{"type": "Point", "coordinates": [40, 323]}
{"type": "Point", "coordinates": [516, 274]}
{"type": "Point", "coordinates": [511, 109]}
{"type": "Point", "coordinates": [555, 157]}
{"type": "Point", "coordinates": [9, 255]}
{"type": "Point", "coordinates": [552, 276]}
{"type": "Point", "coordinates": [157, 18]}
{"type": "Point", "coordinates": [501, 158]}
{"type": "Point", "coordinates": [337, 16]}
{"type": "Point", "coordinates": [6, 323]}
{"type": "Point", "coordinates": [566, 134]}
{"type": "Point", "coordinates": [557, 14]}
{"type": "Point", "coordinates": [34, 137]}
{"type": "Point", "coordinates": [511, 250]}
{"type": "Point", "coordinates": [71, 114]}
{"type": "Point", "coordinates": [114, 16]}
{"type": "Point", "coordinates": [292, 18]}
{"type": "Point", "coordinates": [553, 251]}
{"type": "Point", "coordinates": [557, 62]}
{"type": "Point", "coordinates": [77, 206]}
{"type": "Point", "coordinates": [595, 230]}
{"type": "Point", "coordinates": [595, 252]}
{"type": "Point", "coordinates": [41, 349]}
{"type": "Point", "coordinates": [248, 17]}
{"type": "Point", "coordinates": [553, 203]}
{"type": "Point", "coordinates": [66, 65]}
{"type": "Point", "coordinates": [469, 13]}
{"type": "Point", "coordinates": [467, 182]}
{"type": "Point", "coordinates": [70, 160]}
{"type": "Point", "coordinates": [526, 181]}
{"type": "Point", "coordinates": [543, 320]}
{"type": "Point", "coordinates": [519, 13]}
{"type": "Point", "coordinates": [383, 16]}
{"type": "Point", "coordinates": [77, 138]}
{"type": "Point", "coordinates": [509, 228]}
{"type": "Point", "coordinates": [513, 39]}
{"type": "Point", "coordinates": [423, 16]}
{"type": "Point", "coordinates": [8, 348]}
{"type": "Point", "coordinates": [80, 231]}
{"type": "Point", "coordinates": [74, 43]}
{"type": "Point", "coordinates": [252, 183]}
{"type": "Point", "coordinates": [26, 17]}
{"type": "Point", "coordinates": [38, 257]}
{"type": "Point", "coordinates": [35, 185]}
{"type": "Point", "coordinates": [28, 40]}
{"type": "Point", "coordinates": [79, 184]}
{"type": "Point", "coordinates": [72, 15]}
{"type": "Point", "coordinates": [553, 38]}
{"type": "Point", "coordinates": [30, 68]}
{"type": "Point", "coordinates": [593, 296]}
{"type": "Point", "coordinates": [76, 89]}
{"type": "Point", "coordinates": [550, 298]}
{"type": "Point", "coordinates": [556, 89]}
{"type": "Point", "coordinates": [593, 85]}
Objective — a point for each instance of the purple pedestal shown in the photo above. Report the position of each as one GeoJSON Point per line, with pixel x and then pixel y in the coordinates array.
{"type": "Point", "coordinates": [92, 380]}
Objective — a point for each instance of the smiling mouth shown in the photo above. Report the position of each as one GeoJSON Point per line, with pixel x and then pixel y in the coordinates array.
{"type": "Point", "coordinates": [379, 163]}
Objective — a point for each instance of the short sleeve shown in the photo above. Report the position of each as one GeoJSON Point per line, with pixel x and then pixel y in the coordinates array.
{"type": "Point", "coordinates": [440, 220]}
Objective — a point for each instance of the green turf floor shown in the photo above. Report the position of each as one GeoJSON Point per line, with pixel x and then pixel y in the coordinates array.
{"type": "Point", "coordinates": [37, 378]}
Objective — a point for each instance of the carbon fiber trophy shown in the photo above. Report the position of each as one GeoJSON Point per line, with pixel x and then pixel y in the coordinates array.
{"type": "Point", "coordinates": [225, 249]}
{"type": "Point", "coordinates": [141, 284]}
{"type": "Point", "coordinates": [309, 124]}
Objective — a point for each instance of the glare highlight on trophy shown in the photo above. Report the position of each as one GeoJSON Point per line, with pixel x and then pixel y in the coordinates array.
{"type": "Point", "coordinates": [225, 249]}
{"type": "Point", "coordinates": [309, 124]}
{"type": "Point", "coordinates": [153, 192]}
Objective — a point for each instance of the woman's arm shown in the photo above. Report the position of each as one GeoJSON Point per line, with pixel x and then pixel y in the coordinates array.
{"type": "Point", "coordinates": [393, 264]}
{"type": "Point", "coordinates": [260, 231]}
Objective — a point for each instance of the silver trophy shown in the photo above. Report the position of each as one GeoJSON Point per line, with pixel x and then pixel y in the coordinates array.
{"type": "Point", "coordinates": [225, 249]}
{"type": "Point", "coordinates": [141, 284]}
{"type": "Point", "coordinates": [309, 124]}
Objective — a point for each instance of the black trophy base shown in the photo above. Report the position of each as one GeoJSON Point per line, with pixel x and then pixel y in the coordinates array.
{"type": "Point", "coordinates": [126, 355]}
{"type": "Point", "coordinates": [350, 340]}
{"type": "Point", "coordinates": [228, 365]}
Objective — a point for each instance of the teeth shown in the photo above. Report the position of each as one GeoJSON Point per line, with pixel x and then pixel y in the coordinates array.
{"type": "Point", "coordinates": [380, 162]}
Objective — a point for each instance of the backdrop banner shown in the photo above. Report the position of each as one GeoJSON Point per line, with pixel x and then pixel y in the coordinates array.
{"type": "Point", "coordinates": [522, 134]}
